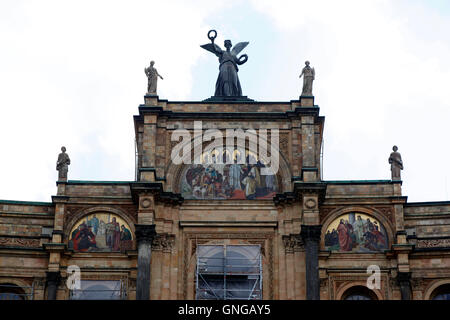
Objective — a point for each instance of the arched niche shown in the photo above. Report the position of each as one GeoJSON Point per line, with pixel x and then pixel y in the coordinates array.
{"type": "Point", "coordinates": [358, 291]}
{"type": "Point", "coordinates": [356, 230]}
{"type": "Point", "coordinates": [100, 229]}
{"type": "Point", "coordinates": [227, 187]}
{"type": "Point", "coordinates": [438, 290]}
{"type": "Point", "coordinates": [14, 289]}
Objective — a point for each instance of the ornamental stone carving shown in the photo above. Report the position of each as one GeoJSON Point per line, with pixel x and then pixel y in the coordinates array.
{"type": "Point", "coordinates": [293, 242]}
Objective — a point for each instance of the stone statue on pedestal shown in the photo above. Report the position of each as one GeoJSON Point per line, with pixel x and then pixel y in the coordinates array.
{"type": "Point", "coordinates": [395, 159]}
{"type": "Point", "coordinates": [62, 165]}
{"type": "Point", "coordinates": [309, 75]}
{"type": "Point", "coordinates": [152, 75]}
{"type": "Point", "coordinates": [227, 84]}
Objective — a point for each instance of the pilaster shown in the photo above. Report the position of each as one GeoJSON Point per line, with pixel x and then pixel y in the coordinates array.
{"type": "Point", "coordinates": [311, 239]}
{"type": "Point", "coordinates": [144, 237]}
{"type": "Point", "coordinates": [52, 281]}
{"type": "Point", "coordinates": [404, 282]}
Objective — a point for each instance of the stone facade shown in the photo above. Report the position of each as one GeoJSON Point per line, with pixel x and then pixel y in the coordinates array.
{"type": "Point", "coordinates": [166, 229]}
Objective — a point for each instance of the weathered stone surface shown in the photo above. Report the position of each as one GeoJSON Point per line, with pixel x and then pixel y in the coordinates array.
{"type": "Point", "coordinates": [34, 237]}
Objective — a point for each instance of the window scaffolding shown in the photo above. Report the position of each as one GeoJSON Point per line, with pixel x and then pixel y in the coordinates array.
{"type": "Point", "coordinates": [229, 272]}
{"type": "Point", "coordinates": [100, 290]}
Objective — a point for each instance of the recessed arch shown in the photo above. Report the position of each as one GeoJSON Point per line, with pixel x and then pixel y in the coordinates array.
{"type": "Point", "coordinates": [355, 288]}
{"type": "Point", "coordinates": [379, 220]}
{"type": "Point", "coordinates": [86, 211]}
{"type": "Point", "coordinates": [437, 287]}
{"type": "Point", "coordinates": [100, 229]}
{"type": "Point", "coordinates": [174, 171]}
{"type": "Point", "coordinates": [14, 289]}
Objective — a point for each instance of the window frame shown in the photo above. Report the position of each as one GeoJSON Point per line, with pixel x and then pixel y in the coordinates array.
{"type": "Point", "coordinates": [226, 275]}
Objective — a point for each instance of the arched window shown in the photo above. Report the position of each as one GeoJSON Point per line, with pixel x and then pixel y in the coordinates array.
{"type": "Point", "coordinates": [359, 293]}
{"type": "Point", "coordinates": [441, 293]}
{"type": "Point", "coordinates": [99, 290]}
{"type": "Point", "coordinates": [229, 272]}
{"type": "Point", "coordinates": [9, 291]}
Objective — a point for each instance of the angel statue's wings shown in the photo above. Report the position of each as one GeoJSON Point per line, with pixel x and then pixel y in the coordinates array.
{"type": "Point", "coordinates": [210, 47]}
{"type": "Point", "coordinates": [238, 47]}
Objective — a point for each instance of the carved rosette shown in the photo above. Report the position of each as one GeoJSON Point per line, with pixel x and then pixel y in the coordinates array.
{"type": "Point", "coordinates": [293, 243]}
{"type": "Point", "coordinates": [145, 233]}
{"type": "Point", "coordinates": [146, 203]}
{"type": "Point", "coordinates": [310, 203]}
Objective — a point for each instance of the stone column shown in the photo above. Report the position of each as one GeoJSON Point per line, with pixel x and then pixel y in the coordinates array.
{"type": "Point", "coordinates": [53, 280]}
{"type": "Point", "coordinates": [311, 239]}
{"type": "Point", "coordinates": [403, 280]}
{"type": "Point", "coordinates": [144, 236]}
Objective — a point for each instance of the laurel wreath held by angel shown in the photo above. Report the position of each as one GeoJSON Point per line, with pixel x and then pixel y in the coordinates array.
{"type": "Point", "coordinates": [227, 83]}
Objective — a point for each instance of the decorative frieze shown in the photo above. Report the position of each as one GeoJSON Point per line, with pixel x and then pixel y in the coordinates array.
{"type": "Point", "coordinates": [433, 243]}
{"type": "Point", "coordinates": [20, 242]}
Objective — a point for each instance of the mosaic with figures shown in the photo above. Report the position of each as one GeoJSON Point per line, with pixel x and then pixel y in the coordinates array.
{"type": "Point", "coordinates": [356, 232]}
{"type": "Point", "coordinates": [228, 179]}
{"type": "Point", "coordinates": [101, 232]}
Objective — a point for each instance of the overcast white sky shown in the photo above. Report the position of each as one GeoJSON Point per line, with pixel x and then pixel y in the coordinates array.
{"type": "Point", "coordinates": [72, 73]}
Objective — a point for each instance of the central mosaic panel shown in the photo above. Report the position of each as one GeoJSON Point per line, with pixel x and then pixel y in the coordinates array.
{"type": "Point", "coordinates": [210, 179]}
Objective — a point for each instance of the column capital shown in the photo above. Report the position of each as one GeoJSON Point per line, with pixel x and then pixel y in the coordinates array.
{"type": "Point", "coordinates": [310, 232]}
{"type": "Point", "coordinates": [145, 232]}
{"type": "Point", "coordinates": [53, 278]}
{"type": "Point", "coordinates": [403, 277]}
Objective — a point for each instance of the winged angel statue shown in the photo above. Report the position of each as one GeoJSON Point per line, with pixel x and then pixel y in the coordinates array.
{"type": "Point", "coordinates": [228, 81]}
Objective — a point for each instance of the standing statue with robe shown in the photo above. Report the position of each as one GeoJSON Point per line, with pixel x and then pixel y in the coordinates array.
{"type": "Point", "coordinates": [62, 165]}
{"type": "Point", "coordinates": [395, 159]}
{"type": "Point", "coordinates": [309, 74]}
{"type": "Point", "coordinates": [152, 75]}
{"type": "Point", "coordinates": [227, 84]}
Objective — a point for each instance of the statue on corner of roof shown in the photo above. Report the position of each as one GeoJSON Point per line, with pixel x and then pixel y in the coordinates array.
{"type": "Point", "coordinates": [152, 75]}
{"type": "Point", "coordinates": [309, 74]}
{"type": "Point", "coordinates": [395, 159]}
{"type": "Point", "coordinates": [227, 84]}
{"type": "Point", "coordinates": [62, 165]}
